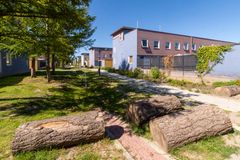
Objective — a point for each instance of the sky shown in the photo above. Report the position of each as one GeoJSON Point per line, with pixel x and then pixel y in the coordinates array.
{"type": "Point", "coordinates": [217, 19]}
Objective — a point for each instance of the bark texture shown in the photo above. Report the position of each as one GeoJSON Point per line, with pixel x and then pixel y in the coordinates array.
{"type": "Point", "coordinates": [33, 67]}
{"type": "Point", "coordinates": [59, 132]}
{"type": "Point", "coordinates": [142, 111]}
{"type": "Point", "coordinates": [187, 126]}
{"type": "Point", "coordinates": [227, 91]}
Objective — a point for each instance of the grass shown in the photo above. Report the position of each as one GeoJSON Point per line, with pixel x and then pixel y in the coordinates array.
{"type": "Point", "coordinates": [208, 149]}
{"type": "Point", "coordinates": [228, 83]}
{"type": "Point", "coordinates": [24, 99]}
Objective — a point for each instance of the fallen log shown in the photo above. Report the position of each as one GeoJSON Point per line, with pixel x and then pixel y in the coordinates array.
{"type": "Point", "coordinates": [59, 132]}
{"type": "Point", "coordinates": [227, 91]}
{"type": "Point", "coordinates": [177, 129]}
{"type": "Point", "coordinates": [142, 111]}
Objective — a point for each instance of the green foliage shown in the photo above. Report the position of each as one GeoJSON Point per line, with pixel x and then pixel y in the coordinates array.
{"type": "Point", "coordinates": [228, 83]}
{"type": "Point", "coordinates": [181, 83]}
{"type": "Point", "coordinates": [138, 73]}
{"type": "Point", "coordinates": [45, 28]}
{"type": "Point", "coordinates": [155, 73]}
{"type": "Point", "coordinates": [109, 69]}
{"type": "Point", "coordinates": [208, 57]}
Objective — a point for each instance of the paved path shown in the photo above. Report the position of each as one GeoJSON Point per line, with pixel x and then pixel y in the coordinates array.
{"type": "Point", "coordinates": [224, 103]}
{"type": "Point", "coordinates": [137, 147]}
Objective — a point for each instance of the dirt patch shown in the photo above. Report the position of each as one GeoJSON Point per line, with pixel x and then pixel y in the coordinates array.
{"type": "Point", "coordinates": [235, 118]}
{"type": "Point", "coordinates": [232, 140]}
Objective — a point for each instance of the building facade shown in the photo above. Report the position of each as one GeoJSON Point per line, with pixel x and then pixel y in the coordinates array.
{"type": "Point", "coordinates": [85, 60]}
{"type": "Point", "coordinates": [11, 65]}
{"type": "Point", "coordinates": [135, 47]}
{"type": "Point", "coordinates": [100, 56]}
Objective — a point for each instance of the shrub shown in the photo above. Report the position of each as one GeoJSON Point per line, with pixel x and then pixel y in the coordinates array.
{"type": "Point", "coordinates": [138, 73]}
{"type": "Point", "coordinates": [111, 70]}
{"type": "Point", "coordinates": [155, 73]}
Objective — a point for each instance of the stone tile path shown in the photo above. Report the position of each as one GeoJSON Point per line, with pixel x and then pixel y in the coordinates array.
{"type": "Point", "coordinates": [136, 146]}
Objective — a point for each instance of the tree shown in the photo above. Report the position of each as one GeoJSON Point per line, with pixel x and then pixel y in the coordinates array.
{"type": "Point", "coordinates": [168, 63]}
{"type": "Point", "coordinates": [208, 57]}
{"type": "Point", "coordinates": [45, 27]}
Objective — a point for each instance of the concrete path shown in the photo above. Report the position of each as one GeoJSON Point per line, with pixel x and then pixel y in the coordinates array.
{"type": "Point", "coordinates": [224, 103]}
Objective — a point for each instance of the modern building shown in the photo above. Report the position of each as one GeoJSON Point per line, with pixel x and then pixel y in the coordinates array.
{"type": "Point", "coordinates": [85, 60]}
{"type": "Point", "coordinates": [136, 47]}
{"type": "Point", "coordinates": [100, 56]}
{"type": "Point", "coordinates": [11, 65]}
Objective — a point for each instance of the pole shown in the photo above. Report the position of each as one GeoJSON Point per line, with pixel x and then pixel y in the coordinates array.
{"type": "Point", "coordinates": [99, 67]}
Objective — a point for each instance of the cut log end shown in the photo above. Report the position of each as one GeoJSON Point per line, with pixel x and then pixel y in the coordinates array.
{"type": "Point", "coordinates": [142, 111]}
{"type": "Point", "coordinates": [59, 132]}
{"type": "Point", "coordinates": [177, 129]}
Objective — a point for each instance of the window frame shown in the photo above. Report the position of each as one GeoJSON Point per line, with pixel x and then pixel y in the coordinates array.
{"type": "Point", "coordinates": [146, 42]}
{"type": "Point", "coordinates": [179, 46]}
{"type": "Point", "coordinates": [158, 46]}
{"type": "Point", "coordinates": [186, 48]}
{"type": "Point", "coordinates": [130, 59]}
{"type": "Point", "coordinates": [170, 45]}
{"type": "Point", "coordinates": [194, 47]}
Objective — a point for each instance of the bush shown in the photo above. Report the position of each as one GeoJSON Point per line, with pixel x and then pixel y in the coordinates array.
{"type": "Point", "coordinates": [182, 83]}
{"type": "Point", "coordinates": [155, 73]}
{"type": "Point", "coordinates": [111, 70]}
{"type": "Point", "coordinates": [138, 73]}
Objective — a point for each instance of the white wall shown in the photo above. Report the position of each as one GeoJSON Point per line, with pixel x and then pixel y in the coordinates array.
{"type": "Point", "coordinates": [230, 65]}
{"type": "Point", "coordinates": [122, 49]}
{"type": "Point", "coordinates": [91, 58]}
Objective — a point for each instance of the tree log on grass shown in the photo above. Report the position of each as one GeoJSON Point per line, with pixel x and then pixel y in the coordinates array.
{"type": "Point", "coordinates": [227, 91]}
{"type": "Point", "coordinates": [142, 111]}
{"type": "Point", "coordinates": [177, 129]}
{"type": "Point", "coordinates": [59, 132]}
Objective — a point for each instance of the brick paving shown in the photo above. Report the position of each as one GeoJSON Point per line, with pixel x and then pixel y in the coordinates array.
{"type": "Point", "coordinates": [140, 150]}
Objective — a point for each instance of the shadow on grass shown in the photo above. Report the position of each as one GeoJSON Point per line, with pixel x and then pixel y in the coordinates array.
{"type": "Point", "coordinates": [73, 95]}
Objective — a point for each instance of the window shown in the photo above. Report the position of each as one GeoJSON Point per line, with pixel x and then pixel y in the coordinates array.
{"type": "Point", "coordinates": [168, 45]}
{"type": "Point", "coordinates": [177, 46]}
{"type": "Point", "coordinates": [194, 47]}
{"type": "Point", "coordinates": [145, 43]}
{"type": "Point", "coordinates": [156, 44]}
{"type": "Point", "coordinates": [130, 59]}
{"type": "Point", "coordinates": [186, 46]}
{"type": "Point", "coordinates": [8, 59]}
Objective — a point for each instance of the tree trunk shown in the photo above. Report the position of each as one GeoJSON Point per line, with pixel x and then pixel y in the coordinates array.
{"type": "Point", "coordinates": [142, 111]}
{"type": "Point", "coordinates": [33, 68]}
{"type": "Point", "coordinates": [53, 64]}
{"type": "Point", "coordinates": [227, 91]}
{"type": "Point", "coordinates": [63, 64]}
{"type": "Point", "coordinates": [48, 65]}
{"type": "Point", "coordinates": [59, 132]}
{"type": "Point", "coordinates": [187, 126]}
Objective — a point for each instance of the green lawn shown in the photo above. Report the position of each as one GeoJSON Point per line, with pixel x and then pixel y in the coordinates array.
{"type": "Point", "coordinates": [24, 99]}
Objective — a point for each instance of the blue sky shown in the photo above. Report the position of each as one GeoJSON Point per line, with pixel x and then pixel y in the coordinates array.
{"type": "Point", "coordinates": [218, 19]}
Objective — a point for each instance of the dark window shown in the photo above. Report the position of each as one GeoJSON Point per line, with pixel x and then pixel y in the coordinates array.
{"type": "Point", "coordinates": [177, 46]}
{"type": "Point", "coordinates": [156, 44]}
{"type": "Point", "coordinates": [145, 43]}
{"type": "Point", "coordinates": [168, 45]}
